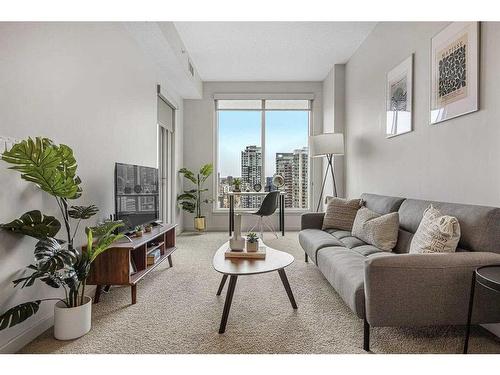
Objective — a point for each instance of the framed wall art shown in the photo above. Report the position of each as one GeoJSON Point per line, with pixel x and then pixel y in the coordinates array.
{"type": "Point", "coordinates": [455, 71]}
{"type": "Point", "coordinates": [399, 99]}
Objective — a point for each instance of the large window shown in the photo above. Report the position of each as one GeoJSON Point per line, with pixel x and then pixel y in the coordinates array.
{"type": "Point", "coordinates": [258, 139]}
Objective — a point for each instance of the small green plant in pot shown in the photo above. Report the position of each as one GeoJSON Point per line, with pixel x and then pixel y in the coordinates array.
{"type": "Point", "coordinates": [236, 184]}
{"type": "Point", "coordinates": [192, 200]}
{"type": "Point", "coordinates": [57, 263]}
{"type": "Point", "coordinates": [252, 242]}
{"type": "Point", "coordinates": [138, 231]}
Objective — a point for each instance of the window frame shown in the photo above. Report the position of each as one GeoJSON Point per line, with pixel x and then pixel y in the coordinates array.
{"type": "Point", "coordinates": [263, 110]}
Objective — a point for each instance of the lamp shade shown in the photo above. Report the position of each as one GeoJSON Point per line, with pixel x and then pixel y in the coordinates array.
{"type": "Point", "coordinates": [327, 143]}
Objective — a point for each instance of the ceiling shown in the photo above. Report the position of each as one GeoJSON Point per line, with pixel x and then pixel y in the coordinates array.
{"type": "Point", "coordinates": [270, 51]}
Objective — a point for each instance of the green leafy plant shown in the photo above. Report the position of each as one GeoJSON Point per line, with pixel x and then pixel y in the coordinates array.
{"type": "Point", "coordinates": [56, 262]}
{"type": "Point", "coordinates": [237, 183]}
{"type": "Point", "coordinates": [192, 200]}
{"type": "Point", "coordinates": [138, 228]}
{"type": "Point", "coordinates": [252, 237]}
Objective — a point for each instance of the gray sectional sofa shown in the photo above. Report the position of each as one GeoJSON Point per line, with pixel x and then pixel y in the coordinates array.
{"type": "Point", "coordinates": [399, 289]}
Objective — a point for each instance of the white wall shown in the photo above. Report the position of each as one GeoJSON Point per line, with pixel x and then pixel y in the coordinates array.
{"type": "Point", "coordinates": [457, 160]}
{"type": "Point", "coordinates": [199, 136]}
{"type": "Point", "coordinates": [334, 122]}
{"type": "Point", "coordinates": [87, 85]}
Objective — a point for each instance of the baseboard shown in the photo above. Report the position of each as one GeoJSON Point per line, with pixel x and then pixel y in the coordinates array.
{"type": "Point", "coordinates": [25, 337]}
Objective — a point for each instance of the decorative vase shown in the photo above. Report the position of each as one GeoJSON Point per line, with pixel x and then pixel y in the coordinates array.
{"type": "Point", "coordinates": [237, 242]}
{"type": "Point", "coordinates": [72, 322]}
{"type": "Point", "coordinates": [199, 223]}
{"type": "Point", "coordinates": [148, 229]}
{"type": "Point", "coordinates": [252, 247]}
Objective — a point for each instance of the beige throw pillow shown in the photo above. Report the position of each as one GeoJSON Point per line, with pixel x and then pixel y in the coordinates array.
{"type": "Point", "coordinates": [340, 213]}
{"type": "Point", "coordinates": [378, 230]}
{"type": "Point", "coordinates": [436, 233]}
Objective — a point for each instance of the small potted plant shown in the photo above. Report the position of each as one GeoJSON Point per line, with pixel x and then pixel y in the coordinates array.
{"type": "Point", "coordinates": [252, 242]}
{"type": "Point", "coordinates": [138, 231]}
{"type": "Point", "coordinates": [236, 184]}
{"type": "Point", "coordinates": [148, 228]}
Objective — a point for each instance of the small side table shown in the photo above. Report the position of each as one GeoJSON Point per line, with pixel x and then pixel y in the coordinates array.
{"type": "Point", "coordinates": [488, 277]}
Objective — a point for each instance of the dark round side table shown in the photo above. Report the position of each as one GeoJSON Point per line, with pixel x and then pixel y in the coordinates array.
{"type": "Point", "coordinates": [488, 277]}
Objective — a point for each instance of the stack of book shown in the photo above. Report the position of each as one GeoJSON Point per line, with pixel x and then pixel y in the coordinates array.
{"type": "Point", "coordinates": [259, 254]}
{"type": "Point", "coordinates": [153, 257]}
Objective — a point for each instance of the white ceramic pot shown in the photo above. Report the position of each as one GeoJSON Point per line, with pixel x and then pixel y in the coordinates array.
{"type": "Point", "coordinates": [71, 323]}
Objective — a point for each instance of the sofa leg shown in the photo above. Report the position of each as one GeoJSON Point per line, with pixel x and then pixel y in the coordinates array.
{"type": "Point", "coordinates": [306, 258]}
{"type": "Point", "coordinates": [366, 336]}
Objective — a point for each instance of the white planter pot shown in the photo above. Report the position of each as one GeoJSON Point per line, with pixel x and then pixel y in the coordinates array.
{"type": "Point", "coordinates": [74, 322]}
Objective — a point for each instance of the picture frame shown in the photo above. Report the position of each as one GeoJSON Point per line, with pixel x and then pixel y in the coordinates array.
{"type": "Point", "coordinates": [399, 99]}
{"type": "Point", "coordinates": [455, 71]}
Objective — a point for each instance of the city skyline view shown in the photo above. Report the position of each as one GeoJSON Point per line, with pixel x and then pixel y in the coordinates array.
{"type": "Point", "coordinates": [286, 131]}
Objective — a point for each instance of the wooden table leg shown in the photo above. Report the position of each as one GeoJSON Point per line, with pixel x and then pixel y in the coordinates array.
{"type": "Point", "coordinates": [227, 304]}
{"type": "Point", "coordinates": [133, 289]}
{"type": "Point", "coordinates": [286, 284]}
{"type": "Point", "coordinates": [169, 258]}
{"type": "Point", "coordinates": [106, 288]}
{"type": "Point", "coordinates": [221, 285]}
{"type": "Point", "coordinates": [97, 294]}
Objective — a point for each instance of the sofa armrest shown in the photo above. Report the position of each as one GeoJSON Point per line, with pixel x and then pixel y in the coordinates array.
{"type": "Point", "coordinates": [427, 289]}
{"type": "Point", "coordinates": [312, 220]}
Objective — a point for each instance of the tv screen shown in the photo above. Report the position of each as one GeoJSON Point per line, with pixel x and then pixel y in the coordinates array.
{"type": "Point", "coordinates": [136, 195]}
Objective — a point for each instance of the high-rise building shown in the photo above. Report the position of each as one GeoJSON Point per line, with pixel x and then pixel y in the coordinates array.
{"type": "Point", "coordinates": [284, 167]}
{"type": "Point", "coordinates": [300, 178]}
{"type": "Point", "coordinates": [251, 174]}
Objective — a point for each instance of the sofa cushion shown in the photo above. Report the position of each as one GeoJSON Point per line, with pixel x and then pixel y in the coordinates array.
{"type": "Point", "coordinates": [377, 230]}
{"type": "Point", "coordinates": [344, 270]}
{"type": "Point", "coordinates": [381, 204]}
{"type": "Point", "coordinates": [312, 240]}
{"type": "Point", "coordinates": [340, 213]}
{"type": "Point", "coordinates": [366, 250]}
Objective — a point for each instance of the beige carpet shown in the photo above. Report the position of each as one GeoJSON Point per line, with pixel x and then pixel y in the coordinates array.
{"type": "Point", "coordinates": [178, 312]}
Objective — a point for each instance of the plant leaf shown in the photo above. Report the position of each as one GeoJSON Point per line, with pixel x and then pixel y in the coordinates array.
{"type": "Point", "coordinates": [206, 171]}
{"type": "Point", "coordinates": [34, 224]}
{"type": "Point", "coordinates": [51, 256]}
{"type": "Point", "coordinates": [19, 314]}
{"type": "Point", "coordinates": [188, 206]}
{"type": "Point", "coordinates": [105, 238]}
{"type": "Point", "coordinates": [82, 212]}
{"type": "Point", "coordinates": [189, 175]}
{"type": "Point", "coordinates": [106, 227]}
{"type": "Point", "coordinates": [50, 167]}
{"type": "Point", "coordinates": [186, 196]}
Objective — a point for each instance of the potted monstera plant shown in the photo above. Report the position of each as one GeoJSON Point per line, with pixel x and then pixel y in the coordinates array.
{"type": "Point", "coordinates": [192, 200]}
{"type": "Point", "coordinates": [57, 262]}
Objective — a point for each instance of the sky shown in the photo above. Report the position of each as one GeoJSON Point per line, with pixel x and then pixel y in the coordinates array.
{"type": "Point", "coordinates": [285, 132]}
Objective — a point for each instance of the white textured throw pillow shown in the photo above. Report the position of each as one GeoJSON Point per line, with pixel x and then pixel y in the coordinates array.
{"type": "Point", "coordinates": [436, 233]}
{"type": "Point", "coordinates": [377, 230]}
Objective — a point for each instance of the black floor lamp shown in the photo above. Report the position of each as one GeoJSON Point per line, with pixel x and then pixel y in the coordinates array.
{"type": "Point", "coordinates": [327, 145]}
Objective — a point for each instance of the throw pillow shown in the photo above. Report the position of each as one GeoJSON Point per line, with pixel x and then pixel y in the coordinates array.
{"type": "Point", "coordinates": [378, 230]}
{"type": "Point", "coordinates": [340, 213]}
{"type": "Point", "coordinates": [436, 233]}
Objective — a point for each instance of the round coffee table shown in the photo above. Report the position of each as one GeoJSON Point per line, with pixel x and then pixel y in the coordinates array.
{"type": "Point", "coordinates": [275, 260]}
{"type": "Point", "coordinates": [489, 278]}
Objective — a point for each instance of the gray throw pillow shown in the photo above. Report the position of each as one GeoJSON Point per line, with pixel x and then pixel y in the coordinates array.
{"type": "Point", "coordinates": [340, 213]}
{"type": "Point", "coordinates": [378, 230]}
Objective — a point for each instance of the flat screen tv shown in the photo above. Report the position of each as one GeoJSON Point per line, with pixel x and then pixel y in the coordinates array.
{"type": "Point", "coordinates": [136, 195]}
